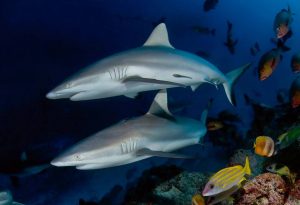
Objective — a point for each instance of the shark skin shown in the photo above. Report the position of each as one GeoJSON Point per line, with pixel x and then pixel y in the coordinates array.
{"type": "Point", "coordinates": [154, 66]}
{"type": "Point", "coordinates": [157, 133]}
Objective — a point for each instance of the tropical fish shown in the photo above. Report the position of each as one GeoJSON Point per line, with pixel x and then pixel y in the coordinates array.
{"type": "Point", "coordinates": [295, 63]}
{"type": "Point", "coordinates": [282, 23]}
{"type": "Point", "coordinates": [295, 93]}
{"type": "Point", "coordinates": [198, 200]}
{"type": "Point", "coordinates": [154, 66]}
{"type": "Point", "coordinates": [210, 4]}
{"type": "Point", "coordinates": [226, 178]}
{"type": "Point", "coordinates": [255, 49]}
{"type": "Point", "coordinates": [264, 146]}
{"type": "Point", "coordinates": [156, 134]}
{"type": "Point", "coordinates": [7, 199]}
{"type": "Point", "coordinates": [224, 196]}
{"type": "Point", "coordinates": [230, 42]}
{"type": "Point", "coordinates": [282, 170]}
{"type": "Point", "coordinates": [270, 60]}
{"type": "Point", "coordinates": [204, 30]}
{"type": "Point", "coordinates": [214, 125]}
{"type": "Point", "coordinates": [288, 138]}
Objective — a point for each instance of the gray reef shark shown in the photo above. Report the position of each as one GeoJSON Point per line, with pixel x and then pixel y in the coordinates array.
{"type": "Point", "coordinates": [157, 133]}
{"type": "Point", "coordinates": [154, 66]}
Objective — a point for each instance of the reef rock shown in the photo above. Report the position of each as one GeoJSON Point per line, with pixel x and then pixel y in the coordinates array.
{"type": "Point", "coordinates": [265, 189]}
{"type": "Point", "coordinates": [294, 195]}
{"type": "Point", "coordinates": [181, 188]}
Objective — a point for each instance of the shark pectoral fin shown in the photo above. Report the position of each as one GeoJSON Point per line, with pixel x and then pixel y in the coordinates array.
{"type": "Point", "coordinates": [131, 95]}
{"type": "Point", "coordinates": [149, 152]}
{"type": "Point", "coordinates": [140, 79]}
{"type": "Point", "coordinates": [159, 37]}
{"type": "Point", "coordinates": [194, 87]}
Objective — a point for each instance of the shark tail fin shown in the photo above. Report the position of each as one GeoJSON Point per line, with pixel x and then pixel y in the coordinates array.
{"type": "Point", "coordinates": [205, 112]}
{"type": "Point", "coordinates": [232, 78]}
{"type": "Point", "coordinates": [204, 118]}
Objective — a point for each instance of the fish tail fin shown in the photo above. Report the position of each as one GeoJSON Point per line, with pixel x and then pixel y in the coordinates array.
{"type": "Point", "coordinates": [247, 168]}
{"type": "Point", "coordinates": [232, 78]}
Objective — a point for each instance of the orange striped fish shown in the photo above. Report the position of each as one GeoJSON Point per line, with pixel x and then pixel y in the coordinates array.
{"type": "Point", "coordinates": [226, 178]}
{"type": "Point", "coordinates": [264, 146]}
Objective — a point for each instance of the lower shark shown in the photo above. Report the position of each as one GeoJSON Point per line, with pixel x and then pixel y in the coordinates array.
{"type": "Point", "coordinates": [154, 66]}
{"type": "Point", "coordinates": [157, 133]}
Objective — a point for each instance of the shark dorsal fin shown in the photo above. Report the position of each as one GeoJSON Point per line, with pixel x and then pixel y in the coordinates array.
{"type": "Point", "coordinates": [159, 105]}
{"type": "Point", "coordinates": [159, 37]}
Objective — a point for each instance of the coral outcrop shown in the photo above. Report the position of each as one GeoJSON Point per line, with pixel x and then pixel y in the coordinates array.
{"type": "Point", "coordinates": [265, 189]}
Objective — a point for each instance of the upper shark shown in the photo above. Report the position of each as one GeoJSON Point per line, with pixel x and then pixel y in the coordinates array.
{"type": "Point", "coordinates": [154, 66]}
{"type": "Point", "coordinates": [157, 133]}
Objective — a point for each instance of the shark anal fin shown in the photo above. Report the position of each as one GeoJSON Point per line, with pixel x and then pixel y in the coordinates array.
{"type": "Point", "coordinates": [140, 79]}
{"type": "Point", "coordinates": [149, 152]}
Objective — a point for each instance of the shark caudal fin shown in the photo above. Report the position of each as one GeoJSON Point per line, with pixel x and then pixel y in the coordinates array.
{"type": "Point", "coordinates": [205, 112]}
{"type": "Point", "coordinates": [232, 78]}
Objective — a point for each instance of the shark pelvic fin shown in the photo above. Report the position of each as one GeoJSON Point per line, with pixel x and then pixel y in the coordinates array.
{"type": "Point", "coordinates": [149, 152]}
{"type": "Point", "coordinates": [131, 95]}
{"type": "Point", "coordinates": [159, 37]}
{"type": "Point", "coordinates": [159, 105]}
{"type": "Point", "coordinates": [194, 87]}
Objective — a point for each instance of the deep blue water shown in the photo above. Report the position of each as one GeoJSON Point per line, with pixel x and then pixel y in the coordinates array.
{"type": "Point", "coordinates": [43, 42]}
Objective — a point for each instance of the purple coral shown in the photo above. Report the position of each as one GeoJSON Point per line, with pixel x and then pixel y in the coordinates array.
{"type": "Point", "coordinates": [265, 189]}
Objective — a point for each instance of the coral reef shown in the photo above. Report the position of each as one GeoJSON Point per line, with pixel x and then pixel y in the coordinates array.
{"type": "Point", "coordinates": [294, 195]}
{"type": "Point", "coordinates": [264, 189]}
{"type": "Point", "coordinates": [181, 188]}
{"type": "Point", "coordinates": [142, 192]}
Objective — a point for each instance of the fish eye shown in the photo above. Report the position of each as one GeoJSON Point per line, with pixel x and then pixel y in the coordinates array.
{"type": "Point", "coordinates": [211, 186]}
{"type": "Point", "coordinates": [77, 157]}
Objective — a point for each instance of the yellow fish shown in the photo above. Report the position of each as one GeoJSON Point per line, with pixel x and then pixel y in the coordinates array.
{"type": "Point", "coordinates": [288, 138]}
{"type": "Point", "coordinates": [264, 146]}
{"type": "Point", "coordinates": [282, 170]}
{"type": "Point", "coordinates": [226, 179]}
{"type": "Point", "coordinates": [198, 200]}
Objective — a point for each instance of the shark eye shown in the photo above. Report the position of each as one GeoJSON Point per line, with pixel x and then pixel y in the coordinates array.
{"type": "Point", "coordinates": [77, 157]}
{"type": "Point", "coordinates": [69, 85]}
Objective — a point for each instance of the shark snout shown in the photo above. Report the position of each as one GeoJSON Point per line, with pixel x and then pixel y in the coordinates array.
{"type": "Point", "coordinates": [56, 95]}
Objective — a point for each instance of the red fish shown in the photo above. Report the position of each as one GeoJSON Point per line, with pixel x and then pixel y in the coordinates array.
{"type": "Point", "coordinates": [295, 63]}
{"type": "Point", "coordinates": [295, 93]}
